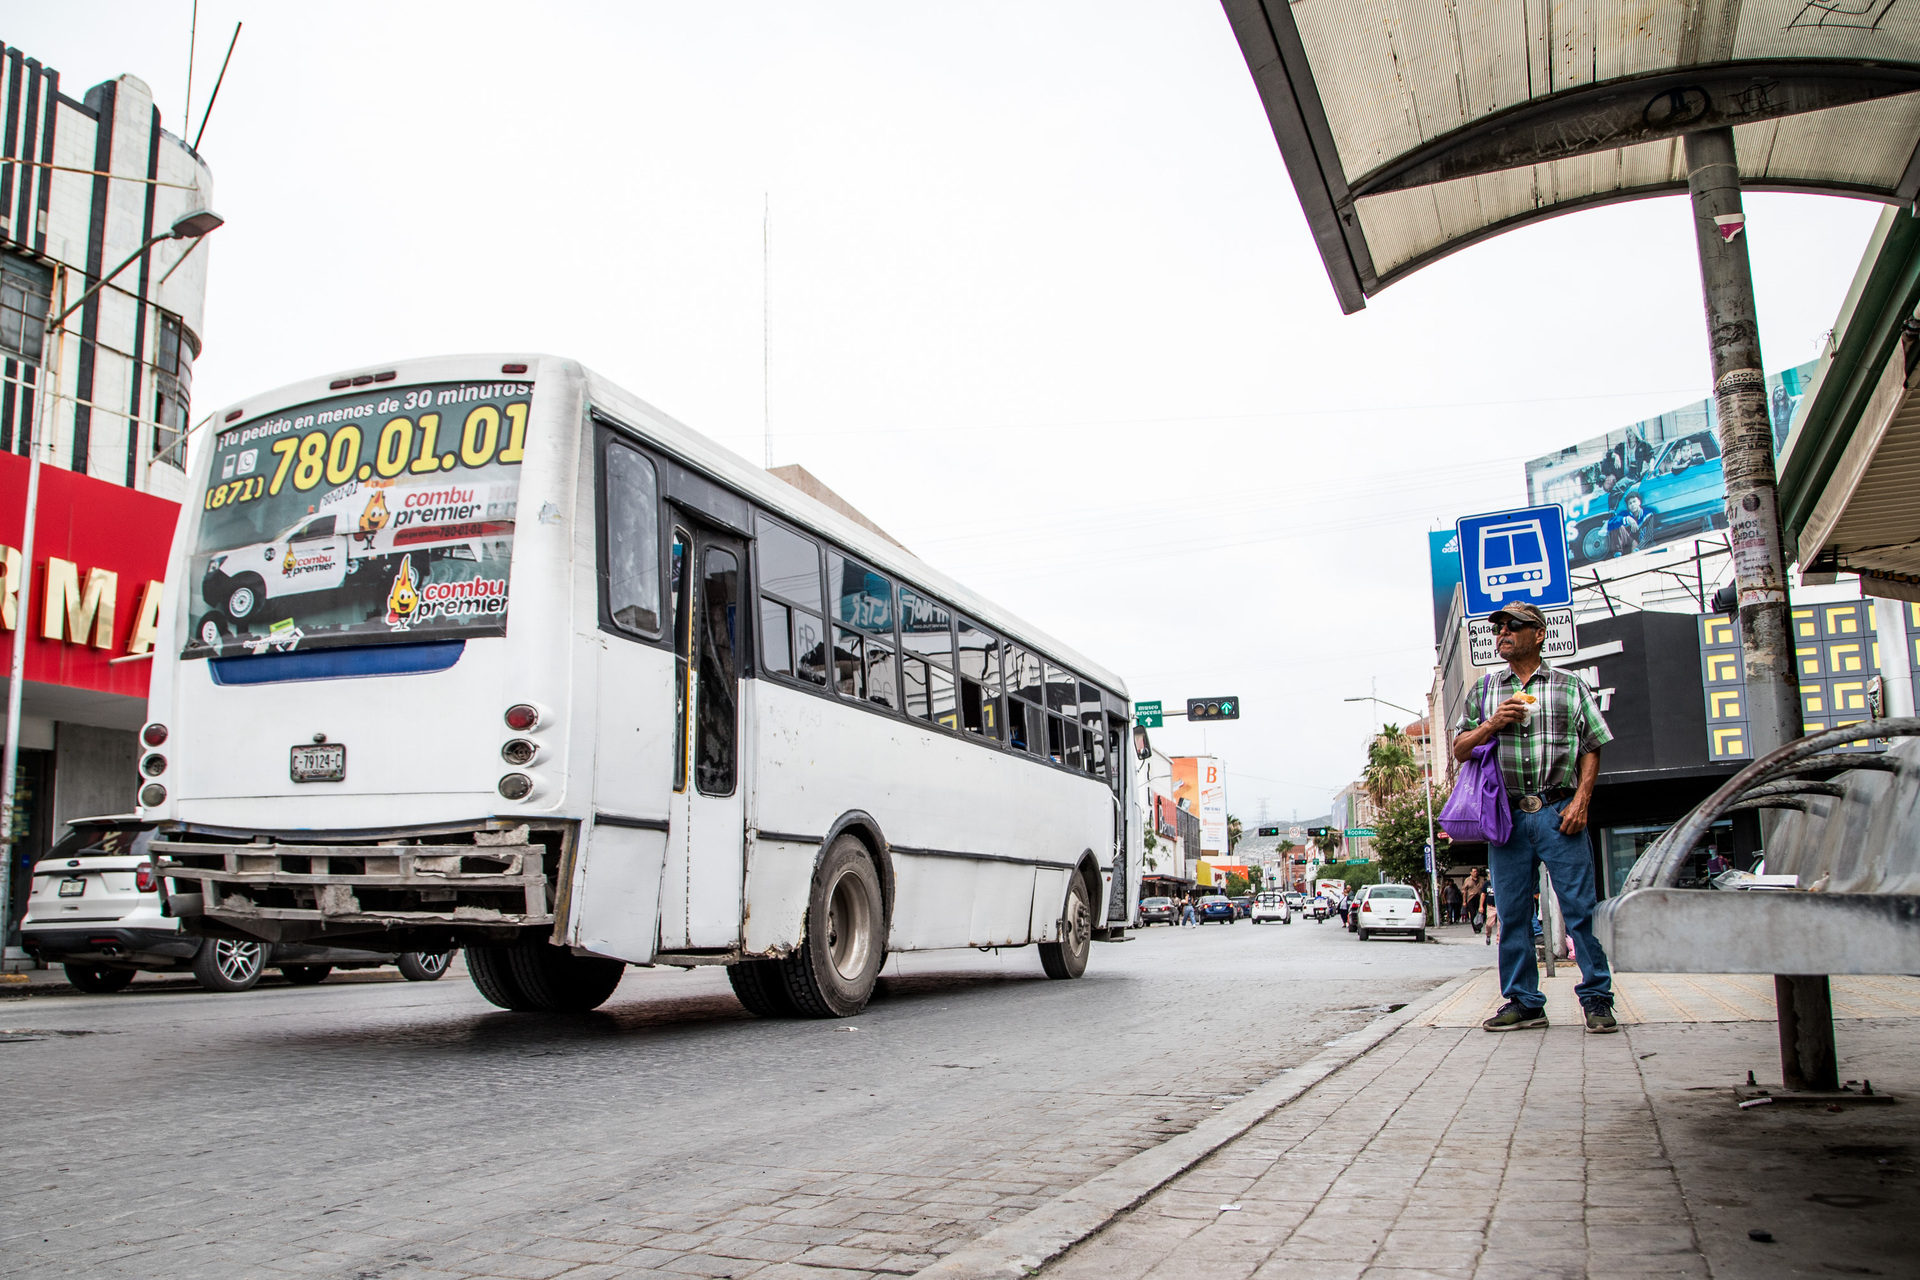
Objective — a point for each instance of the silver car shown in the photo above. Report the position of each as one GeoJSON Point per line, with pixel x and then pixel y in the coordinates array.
{"type": "Point", "coordinates": [95, 908]}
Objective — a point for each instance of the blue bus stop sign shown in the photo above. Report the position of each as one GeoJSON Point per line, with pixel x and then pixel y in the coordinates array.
{"type": "Point", "coordinates": [1509, 557]}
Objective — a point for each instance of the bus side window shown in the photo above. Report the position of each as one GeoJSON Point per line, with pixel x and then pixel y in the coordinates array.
{"type": "Point", "coordinates": [863, 600]}
{"type": "Point", "coordinates": [849, 665]}
{"type": "Point", "coordinates": [926, 658]}
{"type": "Point", "coordinates": [792, 638]}
{"type": "Point", "coordinates": [1016, 724]}
{"type": "Point", "coordinates": [1093, 730]}
{"type": "Point", "coordinates": [633, 541]}
{"type": "Point", "coordinates": [979, 655]}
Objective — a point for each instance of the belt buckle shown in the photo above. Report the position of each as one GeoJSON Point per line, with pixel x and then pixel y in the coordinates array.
{"type": "Point", "coordinates": [1530, 804]}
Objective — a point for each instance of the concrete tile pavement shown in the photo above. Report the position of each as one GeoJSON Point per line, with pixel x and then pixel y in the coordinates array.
{"type": "Point", "coordinates": [1446, 1151]}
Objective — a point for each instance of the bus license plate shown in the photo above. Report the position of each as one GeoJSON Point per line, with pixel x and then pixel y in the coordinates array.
{"type": "Point", "coordinates": [72, 888]}
{"type": "Point", "coordinates": [326, 763]}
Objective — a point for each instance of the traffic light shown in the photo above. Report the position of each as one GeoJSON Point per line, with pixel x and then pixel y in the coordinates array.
{"type": "Point", "coordinates": [1212, 709]}
{"type": "Point", "coordinates": [1314, 832]}
{"type": "Point", "coordinates": [1269, 831]}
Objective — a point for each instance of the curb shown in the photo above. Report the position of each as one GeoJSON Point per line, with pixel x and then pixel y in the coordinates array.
{"type": "Point", "coordinates": [1024, 1246]}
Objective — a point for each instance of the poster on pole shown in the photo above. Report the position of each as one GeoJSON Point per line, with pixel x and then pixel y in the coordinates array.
{"type": "Point", "coordinates": [1200, 784]}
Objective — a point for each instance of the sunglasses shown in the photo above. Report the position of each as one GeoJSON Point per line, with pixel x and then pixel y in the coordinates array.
{"type": "Point", "coordinates": [1508, 624]}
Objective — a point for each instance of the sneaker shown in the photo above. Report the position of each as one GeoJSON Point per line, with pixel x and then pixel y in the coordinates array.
{"type": "Point", "coordinates": [1600, 1019]}
{"type": "Point", "coordinates": [1514, 1016]}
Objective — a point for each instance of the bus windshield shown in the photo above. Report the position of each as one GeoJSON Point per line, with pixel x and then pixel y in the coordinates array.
{"type": "Point", "coordinates": [379, 517]}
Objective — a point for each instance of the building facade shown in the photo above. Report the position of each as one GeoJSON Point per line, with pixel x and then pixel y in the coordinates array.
{"type": "Point", "coordinates": [85, 182]}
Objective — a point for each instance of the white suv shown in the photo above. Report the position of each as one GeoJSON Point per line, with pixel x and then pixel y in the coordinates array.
{"type": "Point", "coordinates": [1272, 906]}
{"type": "Point", "coordinates": [1389, 908]}
{"type": "Point", "coordinates": [95, 908]}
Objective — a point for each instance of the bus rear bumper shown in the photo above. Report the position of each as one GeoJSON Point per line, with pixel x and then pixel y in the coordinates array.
{"type": "Point", "coordinates": [490, 885]}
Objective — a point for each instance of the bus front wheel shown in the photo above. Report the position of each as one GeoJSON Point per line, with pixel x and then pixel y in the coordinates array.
{"type": "Point", "coordinates": [832, 973]}
{"type": "Point", "coordinates": [538, 977]}
{"type": "Point", "coordinates": [1067, 958]}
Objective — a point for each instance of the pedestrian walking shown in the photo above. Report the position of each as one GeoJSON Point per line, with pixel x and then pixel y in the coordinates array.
{"type": "Point", "coordinates": [1187, 916]}
{"type": "Point", "coordinates": [1550, 731]}
{"type": "Point", "coordinates": [1478, 898]}
{"type": "Point", "coordinates": [1449, 902]}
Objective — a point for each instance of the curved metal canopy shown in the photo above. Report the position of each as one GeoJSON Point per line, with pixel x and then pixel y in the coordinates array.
{"type": "Point", "coordinates": [1413, 128]}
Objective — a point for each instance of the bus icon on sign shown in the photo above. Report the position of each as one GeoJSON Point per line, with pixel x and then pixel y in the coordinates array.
{"type": "Point", "coordinates": [1509, 555]}
{"type": "Point", "coordinates": [1513, 558]}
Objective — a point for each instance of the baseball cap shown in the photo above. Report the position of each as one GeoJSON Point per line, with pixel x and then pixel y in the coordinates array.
{"type": "Point", "coordinates": [1524, 613]}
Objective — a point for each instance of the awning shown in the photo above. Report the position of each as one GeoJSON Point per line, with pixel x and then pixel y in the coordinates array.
{"type": "Point", "coordinates": [1413, 128]}
{"type": "Point", "coordinates": [1850, 468]}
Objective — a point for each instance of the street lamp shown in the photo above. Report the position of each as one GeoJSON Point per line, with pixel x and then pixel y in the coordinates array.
{"type": "Point", "coordinates": [188, 226]}
{"type": "Point", "coordinates": [1433, 863]}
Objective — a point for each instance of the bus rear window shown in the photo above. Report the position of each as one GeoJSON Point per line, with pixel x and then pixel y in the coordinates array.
{"type": "Point", "coordinates": [381, 517]}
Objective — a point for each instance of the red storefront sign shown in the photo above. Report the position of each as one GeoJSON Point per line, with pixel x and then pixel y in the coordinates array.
{"type": "Point", "coordinates": [100, 555]}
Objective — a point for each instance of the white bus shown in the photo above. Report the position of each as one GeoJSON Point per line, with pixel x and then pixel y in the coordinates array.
{"type": "Point", "coordinates": [680, 714]}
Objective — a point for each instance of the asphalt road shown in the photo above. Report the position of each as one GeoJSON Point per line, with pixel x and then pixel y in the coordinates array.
{"type": "Point", "coordinates": [387, 1129]}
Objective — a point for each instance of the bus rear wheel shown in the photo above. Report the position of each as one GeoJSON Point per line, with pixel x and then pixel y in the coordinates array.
{"type": "Point", "coordinates": [832, 973]}
{"type": "Point", "coordinates": [1067, 958]}
{"type": "Point", "coordinates": [538, 977]}
{"type": "Point", "coordinates": [761, 988]}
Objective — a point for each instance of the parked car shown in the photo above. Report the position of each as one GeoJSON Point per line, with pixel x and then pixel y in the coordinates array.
{"type": "Point", "coordinates": [94, 908]}
{"type": "Point", "coordinates": [1216, 906]}
{"type": "Point", "coordinates": [1242, 905]}
{"type": "Point", "coordinates": [1158, 911]}
{"type": "Point", "coordinates": [1389, 908]}
{"type": "Point", "coordinates": [1272, 906]}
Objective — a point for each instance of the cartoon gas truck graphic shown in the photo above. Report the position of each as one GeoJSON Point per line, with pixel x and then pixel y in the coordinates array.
{"type": "Point", "coordinates": [358, 543]}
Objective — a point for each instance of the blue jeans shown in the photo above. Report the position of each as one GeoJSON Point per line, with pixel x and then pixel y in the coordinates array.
{"type": "Point", "coordinates": [1537, 839]}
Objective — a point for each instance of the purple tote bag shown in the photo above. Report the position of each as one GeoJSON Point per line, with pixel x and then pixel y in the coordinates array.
{"type": "Point", "coordinates": [1478, 809]}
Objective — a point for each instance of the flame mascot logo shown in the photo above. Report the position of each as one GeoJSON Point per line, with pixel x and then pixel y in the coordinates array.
{"type": "Point", "coordinates": [286, 565]}
{"type": "Point", "coordinates": [375, 517]}
{"type": "Point", "coordinates": [404, 598]}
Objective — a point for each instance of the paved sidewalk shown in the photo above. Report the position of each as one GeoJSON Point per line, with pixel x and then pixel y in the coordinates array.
{"type": "Point", "coordinates": [1448, 1152]}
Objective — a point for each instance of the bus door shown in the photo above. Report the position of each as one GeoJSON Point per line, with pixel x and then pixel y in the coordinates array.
{"type": "Point", "coordinates": [702, 889]}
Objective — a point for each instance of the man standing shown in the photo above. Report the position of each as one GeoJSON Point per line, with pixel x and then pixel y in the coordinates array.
{"type": "Point", "coordinates": [1550, 732]}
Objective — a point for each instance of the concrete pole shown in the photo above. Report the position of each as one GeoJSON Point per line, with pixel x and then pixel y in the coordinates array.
{"type": "Point", "coordinates": [1753, 530]}
{"type": "Point", "coordinates": [1746, 440]}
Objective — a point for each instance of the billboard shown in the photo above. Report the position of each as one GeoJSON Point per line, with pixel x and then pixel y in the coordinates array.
{"type": "Point", "coordinates": [1652, 481]}
{"type": "Point", "coordinates": [1199, 781]}
{"type": "Point", "coordinates": [1443, 559]}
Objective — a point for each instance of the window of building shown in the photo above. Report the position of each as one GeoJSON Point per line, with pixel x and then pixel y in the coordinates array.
{"type": "Point", "coordinates": [632, 574]}
{"type": "Point", "coordinates": [174, 354]}
{"type": "Point", "coordinates": [26, 293]}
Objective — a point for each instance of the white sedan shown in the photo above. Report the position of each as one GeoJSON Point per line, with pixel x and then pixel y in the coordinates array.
{"type": "Point", "coordinates": [1272, 906]}
{"type": "Point", "coordinates": [1389, 908]}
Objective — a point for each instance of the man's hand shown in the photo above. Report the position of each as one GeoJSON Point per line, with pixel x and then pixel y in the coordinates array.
{"type": "Point", "coordinates": [1573, 818]}
{"type": "Point", "coordinates": [1508, 712]}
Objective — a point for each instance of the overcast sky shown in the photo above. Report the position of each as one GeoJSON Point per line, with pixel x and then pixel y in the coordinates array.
{"type": "Point", "coordinates": [1044, 305]}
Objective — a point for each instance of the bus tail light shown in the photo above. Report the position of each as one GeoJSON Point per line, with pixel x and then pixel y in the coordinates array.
{"type": "Point", "coordinates": [154, 765]}
{"type": "Point", "coordinates": [521, 717]}
{"type": "Point", "coordinates": [144, 878]}
{"type": "Point", "coordinates": [154, 734]}
{"type": "Point", "coordinates": [518, 751]}
{"type": "Point", "coordinates": [516, 786]}
{"type": "Point", "coordinates": [153, 795]}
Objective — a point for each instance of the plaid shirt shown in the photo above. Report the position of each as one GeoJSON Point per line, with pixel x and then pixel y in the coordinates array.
{"type": "Point", "coordinates": [1566, 725]}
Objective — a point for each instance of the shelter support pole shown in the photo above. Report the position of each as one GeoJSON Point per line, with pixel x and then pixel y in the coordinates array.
{"type": "Point", "coordinates": [1896, 679]}
{"type": "Point", "coordinates": [1753, 523]}
{"type": "Point", "coordinates": [1808, 1061]}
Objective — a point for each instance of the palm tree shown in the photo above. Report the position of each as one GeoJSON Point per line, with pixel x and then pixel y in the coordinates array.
{"type": "Point", "coordinates": [1391, 768]}
{"type": "Point", "coordinates": [1233, 832]}
{"type": "Point", "coordinates": [1327, 842]}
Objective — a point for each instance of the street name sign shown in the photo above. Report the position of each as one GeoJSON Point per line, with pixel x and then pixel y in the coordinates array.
{"type": "Point", "coordinates": [1508, 557]}
{"type": "Point", "coordinates": [1561, 643]}
{"type": "Point", "coordinates": [1359, 833]}
{"type": "Point", "coordinates": [1147, 715]}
